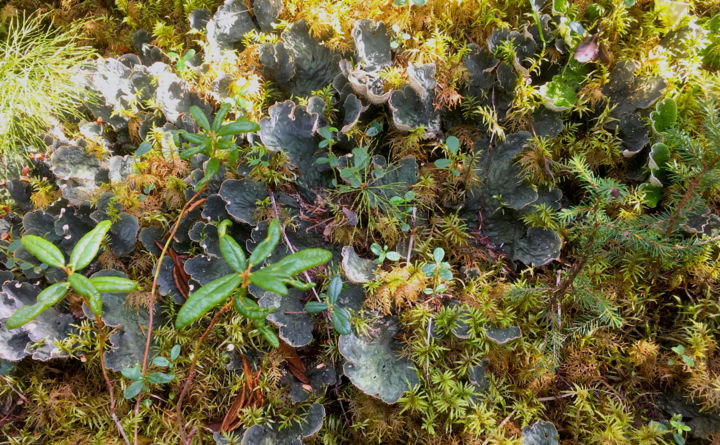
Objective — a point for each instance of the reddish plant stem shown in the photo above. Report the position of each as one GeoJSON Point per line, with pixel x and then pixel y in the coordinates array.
{"type": "Point", "coordinates": [188, 207]}
{"type": "Point", "coordinates": [191, 373]}
{"type": "Point", "coordinates": [108, 383]}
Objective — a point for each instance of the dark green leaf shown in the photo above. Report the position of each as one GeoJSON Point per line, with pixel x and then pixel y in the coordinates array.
{"type": "Point", "coordinates": [206, 298]}
{"type": "Point", "coordinates": [233, 253]}
{"type": "Point", "coordinates": [43, 250]}
{"type": "Point", "coordinates": [200, 117]}
{"type": "Point", "coordinates": [267, 280]}
{"type": "Point", "coordinates": [302, 261]}
{"type": "Point", "coordinates": [88, 246]}
{"type": "Point", "coordinates": [52, 294]}
{"type": "Point", "coordinates": [265, 248]}
{"type": "Point", "coordinates": [341, 321]}
{"type": "Point", "coordinates": [24, 315]}
{"type": "Point", "coordinates": [248, 308]}
{"type": "Point", "coordinates": [334, 289]}
{"type": "Point", "coordinates": [241, 126]}
{"type": "Point", "coordinates": [84, 287]}
{"type": "Point", "coordinates": [217, 122]}
{"type": "Point", "coordinates": [192, 151]}
{"type": "Point", "coordinates": [269, 335]}
{"type": "Point", "coordinates": [113, 284]}
{"type": "Point", "coordinates": [194, 138]}
{"type": "Point", "coordinates": [314, 307]}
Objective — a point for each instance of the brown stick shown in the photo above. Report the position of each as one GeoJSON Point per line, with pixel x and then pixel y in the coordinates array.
{"type": "Point", "coordinates": [191, 373]}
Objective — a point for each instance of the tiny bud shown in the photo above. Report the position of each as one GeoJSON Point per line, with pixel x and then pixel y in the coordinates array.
{"type": "Point", "coordinates": [307, 387]}
{"type": "Point", "coordinates": [320, 366]}
{"type": "Point", "coordinates": [614, 192]}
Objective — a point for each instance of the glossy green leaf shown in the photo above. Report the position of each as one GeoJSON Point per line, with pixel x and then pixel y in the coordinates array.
{"type": "Point", "coordinates": [269, 335]}
{"type": "Point", "coordinates": [240, 126]}
{"type": "Point", "coordinates": [24, 315]}
{"type": "Point", "coordinates": [314, 307]}
{"type": "Point", "coordinates": [134, 389]}
{"type": "Point", "coordinates": [265, 279]}
{"type": "Point", "coordinates": [206, 298]}
{"type": "Point", "coordinates": [88, 246]}
{"type": "Point", "coordinates": [193, 137]}
{"type": "Point", "coordinates": [341, 321]}
{"type": "Point", "coordinates": [334, 289]}
{"type": "Point", "coordinates": [200, 117]}
{"type": "Point", "coordinates": [217, 122]}
{"type": "Point", "coordinates": [113, 284]}
{"type": "Point", "coordinates": [43, 250]}
{"type": "Point", "coordinates": [52, 294]}
{"type": "Point", "coordinates": [84, 287]}
{"type": "Point", "coordinates": [233, 253]}
{"type": "Point", "coordinates": [301, 261]}
{"type": "Point", "coordinates": [192, 151]}
{"type": "Point", "coordinates": [266, 246]}
{"type": "Point", "coordinates": [248, 308]}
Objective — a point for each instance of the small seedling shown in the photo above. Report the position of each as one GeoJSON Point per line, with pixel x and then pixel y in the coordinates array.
{"type": "Point", "coordinates": [142, 382]}
{"type": "Point", "coordinates": [439, 271]}
{"type": "Point", "coordinates": [339, 315]}
{"type": "Point", "coordinates": [383, 253]}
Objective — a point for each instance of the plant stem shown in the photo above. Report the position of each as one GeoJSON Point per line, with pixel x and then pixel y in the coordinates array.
{"type": "Point", "coordinates": [189, 206]}
{"type": "Point", "coordinates": [191, 373]}
{"type": "Point", "coordinates": [101, 344]}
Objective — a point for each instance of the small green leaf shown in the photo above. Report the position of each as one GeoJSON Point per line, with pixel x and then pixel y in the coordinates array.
{"type": "Point", "coordinates": [175, 352]}
{"type": "Point", "coordinates": [664, 116]}
{"type": "Point", "coordinates": [376, 249]}
{"type": "Point", "coordinates": [206, 298]}
{"type": "Point", "coordinates": [233, 253]}
{"type": "Point", "coordinates": [453, 144]}
{"type": "Point", "coordinates": [269, 335]}
{"type": "Point", "coordinates": [88, 246]}
{"type": "Point", "coordinates": [43, 250]}
{"type": "Point", "coordinates": [200, 117]}
{"type": "Point", "coordinates": [84, 287]}
{"type": "Point", "coordinates": [266, 246]}
{"type": "Point", "coordinates": [438, 254]}
{"type": "Point", "coordinates": [194, 138]}
{"type": "Point", "coordinates": [24, 315]}
{"type": "Point", "coordinates": [134, 389]}
{"type": "Point", "coordinates": [334, 289]}
{"type": "Point", "coordinates": [133, 373]}
{"type": "Point", "coordinates": [142, 149]}
{"type": "Point", "coordinates": [240, 126]}
{"type": "Point", "coordinates": [442, 163]}
{"type": "Point", "coordinates": [301, 261]}
{"type": "Point", "coordinates": [113, 284]}
{"type": "Point", "coordinates": [161, 362]}
{"type": "Point", "coordinates": [160, 377]}
{"type": "Point", "coordinates": [341, 321]}
{"type": "Point", "coordinates": [217, 122]}
{"type": "Point", "coordinates": [265, 279]}
{"type": "Point", "coordinates": [314, 307]}
{"type": "Point", "coordinates": [392, 256]}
